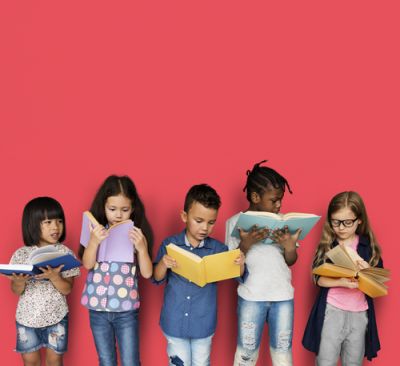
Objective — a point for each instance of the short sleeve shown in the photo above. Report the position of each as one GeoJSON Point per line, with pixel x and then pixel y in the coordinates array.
{"type": "Point", "coordinates": [74, 272]}
{"type": "Point", "coordinates": [230, 241]}
{"type": "Point", "coordinates": [161, 252]}
{"type": "Point", "coordinates": [20, 256]}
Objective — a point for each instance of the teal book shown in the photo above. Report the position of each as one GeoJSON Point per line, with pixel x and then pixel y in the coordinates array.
{"type": "Point", "coordinates": [292, 220]}
{"type": "Point", "coordinates": [42, 257]}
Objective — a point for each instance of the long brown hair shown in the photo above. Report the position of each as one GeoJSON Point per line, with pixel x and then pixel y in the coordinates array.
{"type": "Point", "coordinates": [354, 202]}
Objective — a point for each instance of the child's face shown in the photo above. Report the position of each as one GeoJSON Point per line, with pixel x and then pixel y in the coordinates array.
{"type": "Point", "coordinates": [270, 201]}
{"type": "Point", "coordinates": [344, 233]}
{"type": "Point", "coordinates": [199, 221]}
{"type": "Point", "coordinates": [51, 231]}
{"type": "Point", "coordinates": [117, 209]}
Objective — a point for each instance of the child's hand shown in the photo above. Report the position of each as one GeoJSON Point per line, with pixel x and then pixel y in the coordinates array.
{"type": "Point", "coordinates": [254, 235]}
{"type": "Point", "coordinates": [98, 234]}
{"type": "Point", "coordinates": [348, 282]}
{"type": "Point", "coordinates": [19, 278]}
{"type": "Point", "coordinates": [285, 239]}
{"type": "Point", "coordinates": [138, 239]}
{"type": "Point", "coordinates": [49, 273]}
{"type": "Point", "coordinates": [240, 260]}
{"type": "Point", "coordinates": [168, 261]}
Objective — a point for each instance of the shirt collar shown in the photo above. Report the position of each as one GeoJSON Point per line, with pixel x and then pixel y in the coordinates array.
{"type": "Point", "coordinates": [201, 245]}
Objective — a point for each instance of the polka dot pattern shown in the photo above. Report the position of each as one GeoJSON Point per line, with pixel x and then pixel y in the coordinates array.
{"type": "Point", "coordinates": [111, 286]}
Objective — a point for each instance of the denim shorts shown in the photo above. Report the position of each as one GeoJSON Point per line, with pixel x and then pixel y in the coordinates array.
{"type": "Point", "coordinates": [54, 337]}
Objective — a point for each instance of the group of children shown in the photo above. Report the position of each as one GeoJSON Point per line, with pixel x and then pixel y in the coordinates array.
{"type": "Point", "coordinates": [341, 324]}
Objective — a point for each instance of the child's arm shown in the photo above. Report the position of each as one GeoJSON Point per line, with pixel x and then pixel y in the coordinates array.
{"type": "Point", "coordinates": [62, 284]}
{"type": "Point", "coordinates": [18, 283]}
{"type": "Point", "coordinates": [288, 243]}
{"type": "Point", "coordinates": [161, 268]}
{"type": "Point", "coordinates": [139, 240]}
{"type": "Point", "coordinates": [97, 235]}
{"type": "Point", "coordinates": [337, 282]}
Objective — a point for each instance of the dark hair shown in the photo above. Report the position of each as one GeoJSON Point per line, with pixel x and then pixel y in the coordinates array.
{"type": "Point", "coordinates": [261, 178]}
{"type": "Point", "coordinates": [37, 210]}
{"type": "Point", "coordinates": [113, 186]}
{"type": "Point", "coordinates": [204, 194]}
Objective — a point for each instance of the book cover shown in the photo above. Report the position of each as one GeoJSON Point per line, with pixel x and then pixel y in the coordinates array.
{"type": "Point", "coordinates": [116, 247]}
{"type": "Point", "coordinates": [272, 221]}
{"type": "Point", "coordinates": [42, 257]}
{"type": "Point", "coordinates": [370, 280]}
{"type": "Point", "coordinates": [211, 268]}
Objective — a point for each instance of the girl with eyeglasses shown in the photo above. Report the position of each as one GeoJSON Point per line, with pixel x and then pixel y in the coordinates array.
{"type": "Point", "coordinates": [342, 321]}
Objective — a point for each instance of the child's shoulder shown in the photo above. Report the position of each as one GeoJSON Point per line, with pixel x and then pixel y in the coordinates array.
{"type": "Point", "coordinates": [233, 219]}
{"type": "Point", "coordinates": [62, 247]}
{"type": "Point", "coordinates": [216, 244]}
{"type": "Point", "coordinates": [177, 238]}
{"type": "Point", "coordinates": [21, 255]}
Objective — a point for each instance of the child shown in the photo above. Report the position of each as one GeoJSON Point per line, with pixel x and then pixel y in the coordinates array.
{"type": "Point", "coordinates": [342, 320]}
{"type": "Point", "coordinates": [189, 312]}
{"type": "Point", "coordinates": [42, 311]}
{"type": "Point", "coordinates": [266, 294]}
{"type": "Point", "coordinates": [111, 289]}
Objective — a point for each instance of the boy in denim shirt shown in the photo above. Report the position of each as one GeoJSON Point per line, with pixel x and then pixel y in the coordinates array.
{"type": "Point", "coordinates": [189, 312]}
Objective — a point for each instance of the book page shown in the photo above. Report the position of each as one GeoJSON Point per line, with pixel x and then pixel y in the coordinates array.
{"type": "Point", "coordinates": [189, 265]}
{"type": "Point", "coordinates": [221, 266]}
{"type": "Point", "coordinates": [339, 256]}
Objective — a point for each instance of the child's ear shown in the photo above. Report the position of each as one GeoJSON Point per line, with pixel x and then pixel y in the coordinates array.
{"type": "Point", "coordinates": [255, 197]}
{"type": "Point", "coordinates": [184, 216]}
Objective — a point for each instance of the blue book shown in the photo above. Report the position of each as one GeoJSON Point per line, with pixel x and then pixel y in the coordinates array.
{"type": "Point", "coordinates": [42, 257]}
{"type": "Point", "coordinates": [292, 220]}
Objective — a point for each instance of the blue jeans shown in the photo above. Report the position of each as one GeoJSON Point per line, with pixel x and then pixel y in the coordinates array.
{"type": "Point", "coordinates": [54, 337]}
{"type": "Point", "coordinates": [188, 351]}
{"type": "Point", "coordinates": [252, 315]}
{"type": "Point", "coordinates": [111, 327]}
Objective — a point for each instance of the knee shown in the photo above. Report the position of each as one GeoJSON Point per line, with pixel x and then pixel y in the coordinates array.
{"type": "Point", "coordinates": [248, 336]}
{"type": "Point", "coordinates": [176, 361]}
{"type": "Point", "coordinates": [284, 343]}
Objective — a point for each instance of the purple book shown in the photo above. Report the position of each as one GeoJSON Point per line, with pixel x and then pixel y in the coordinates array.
{"type": "Point", "coordinates": [116, 247]}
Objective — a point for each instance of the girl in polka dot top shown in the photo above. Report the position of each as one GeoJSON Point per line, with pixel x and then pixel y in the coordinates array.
{"type": "Point", "coordinates": [111, 290]}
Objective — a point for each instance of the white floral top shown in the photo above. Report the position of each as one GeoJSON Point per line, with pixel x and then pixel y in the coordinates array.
{"type": "Point", "coordinates": [41, 304]}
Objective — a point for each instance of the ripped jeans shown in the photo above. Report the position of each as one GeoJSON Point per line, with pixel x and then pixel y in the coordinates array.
{"type": "Point", "coordinates": [252, 315]}
{"type": "Point", "coordinates": [54, 337]}
{"type": "Point", "coordinates": [188, 351]}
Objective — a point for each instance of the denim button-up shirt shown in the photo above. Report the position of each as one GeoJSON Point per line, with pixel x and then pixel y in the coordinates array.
{"type": "Point", "coordinates": [189, 311]}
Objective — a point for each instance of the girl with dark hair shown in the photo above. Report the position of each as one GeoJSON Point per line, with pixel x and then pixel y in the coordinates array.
{"type": "Point", "coordinates": [342, 321]}
{"type": "Point", "coordinates": [265, 292]}
{"type": "Point", "coordinates": [111, 289]}
{"type": "Point", "coordinates": [42, 311]}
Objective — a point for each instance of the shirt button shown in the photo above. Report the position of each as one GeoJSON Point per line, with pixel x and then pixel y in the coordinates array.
{"type": "Point", "coordinates": [191, 248]}
{"type": "Point", "coordinates": [186, 314]}
{"type": "Point", "coordinates": [188, 297]}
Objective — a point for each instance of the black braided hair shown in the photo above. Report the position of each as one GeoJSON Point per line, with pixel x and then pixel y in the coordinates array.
{"type": "Point", "coordinates": [261, 178]}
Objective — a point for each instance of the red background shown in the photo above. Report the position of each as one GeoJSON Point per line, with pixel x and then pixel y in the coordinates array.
{"type": "Point", "coordinates": [175, 93]}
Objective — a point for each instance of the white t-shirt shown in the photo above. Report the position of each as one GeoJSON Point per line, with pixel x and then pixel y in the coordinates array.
{"type": "Point", "coordinates": [269, 277]}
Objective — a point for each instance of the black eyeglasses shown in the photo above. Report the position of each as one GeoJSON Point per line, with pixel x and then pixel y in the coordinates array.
{"type": "Point", "coordinates": [346, 223]}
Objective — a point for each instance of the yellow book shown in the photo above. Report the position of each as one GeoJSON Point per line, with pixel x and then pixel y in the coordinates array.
{"type": "Point", "coordinates": [370, 280]}
{"type": "Point", "coordinates": [211, 268]}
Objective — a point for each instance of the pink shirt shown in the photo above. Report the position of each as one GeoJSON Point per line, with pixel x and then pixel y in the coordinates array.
{"type": "Point", "coordinates": [350, 299]}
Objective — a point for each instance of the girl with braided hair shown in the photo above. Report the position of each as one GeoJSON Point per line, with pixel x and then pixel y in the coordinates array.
{"type": "Point", "coordinates": [265, 291]}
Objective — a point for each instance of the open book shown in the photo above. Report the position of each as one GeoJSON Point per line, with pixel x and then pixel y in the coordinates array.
{"type": "Point", "coordinates": [370, 280]}
{"type": "Point", "coordinates": [116, 247]}
{"type": "Point", "coordinates": [42, 257]}
{"type": "Point", "coordinates": [272, 221]}
{"type": "Point", "coordinates": [211, 268]}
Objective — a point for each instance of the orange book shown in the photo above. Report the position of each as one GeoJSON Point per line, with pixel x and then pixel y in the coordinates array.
{"type": "Point", "coordinates": [370, 280]}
